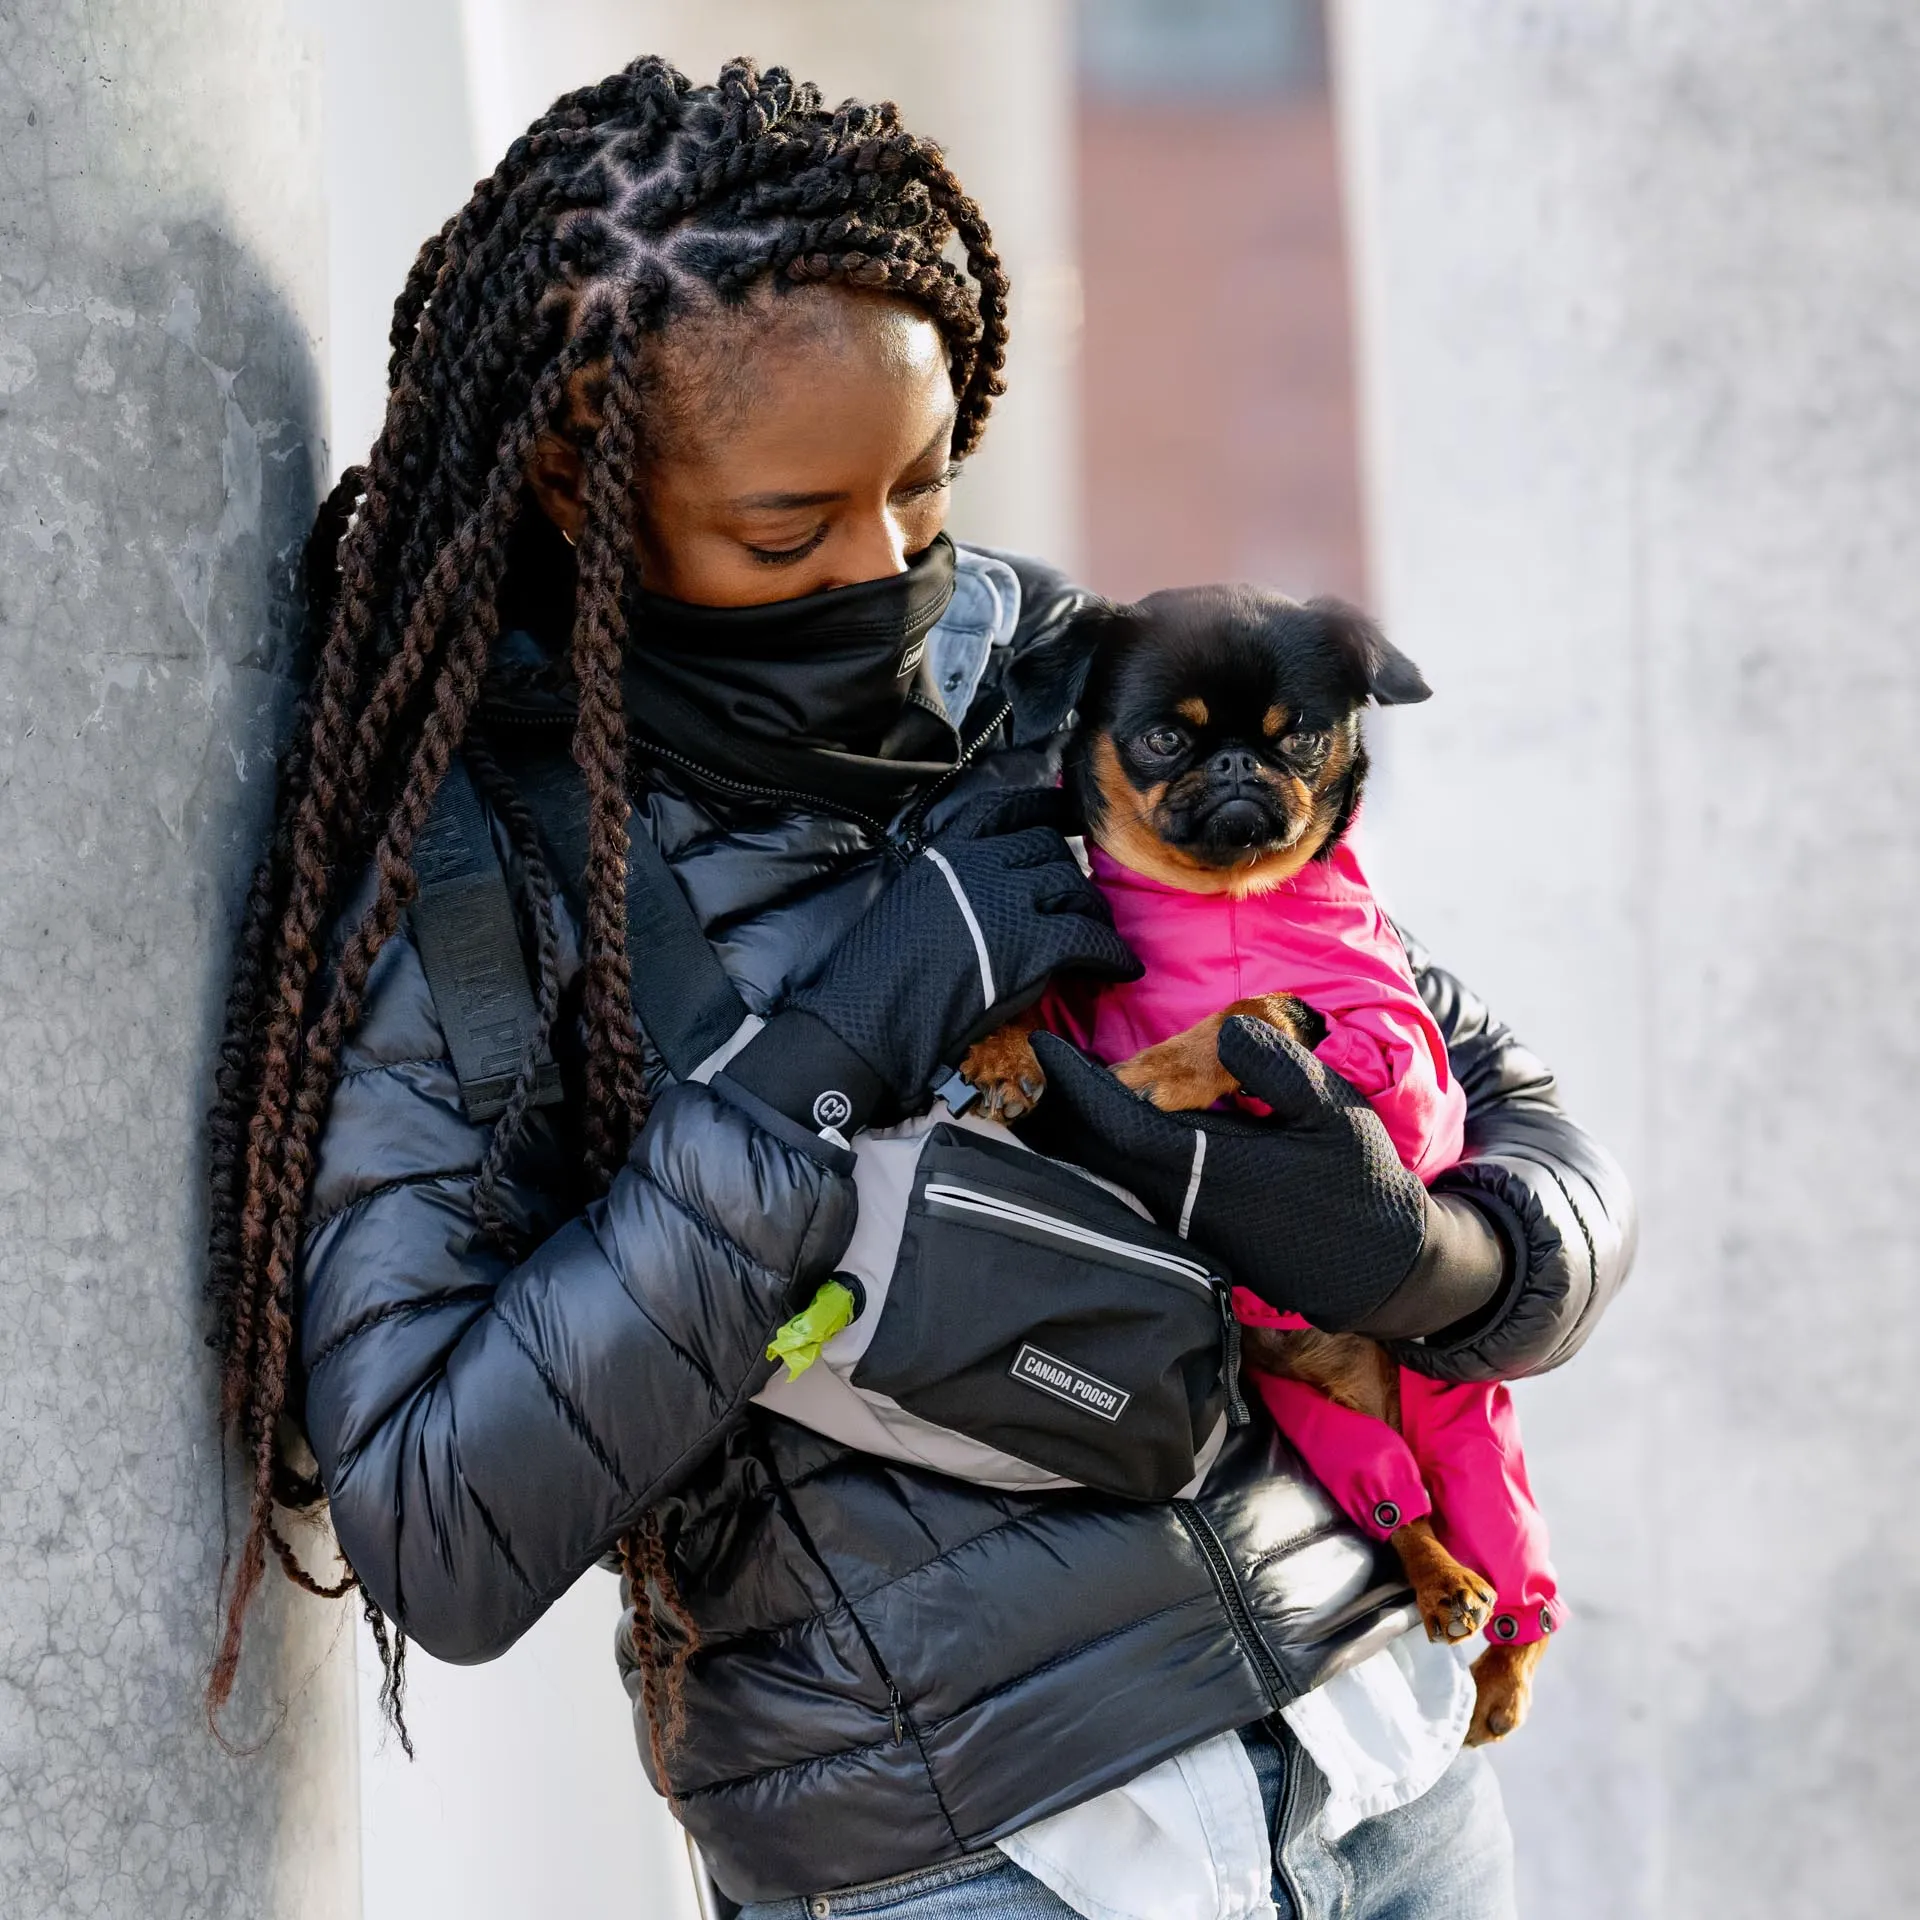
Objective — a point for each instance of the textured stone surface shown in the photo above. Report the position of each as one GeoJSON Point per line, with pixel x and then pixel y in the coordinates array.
{"type": "Point", "coordinates": [1642, 357]}
{"type": "Point", "coordinates": [161, 270]}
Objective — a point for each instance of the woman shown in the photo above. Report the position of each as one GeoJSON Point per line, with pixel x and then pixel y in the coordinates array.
{"type": "Point", "coordinates": [676, 402]}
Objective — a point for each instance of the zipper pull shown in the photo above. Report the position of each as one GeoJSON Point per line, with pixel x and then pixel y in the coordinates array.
{"type": "Point", "coordinates": [899, 1725]}
{"type": "Point", "coordinates": [1237, 1415]}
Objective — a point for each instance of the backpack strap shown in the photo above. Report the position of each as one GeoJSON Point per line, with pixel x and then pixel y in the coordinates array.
{"type": "Point", "coordinates": [681, 992]}
{"type": "Point", "coordinates": [682, 996]}
{"type": "Point", "coordinates": [469, 946]}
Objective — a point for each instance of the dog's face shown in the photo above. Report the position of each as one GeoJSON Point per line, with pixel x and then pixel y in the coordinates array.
{"type": "Point", "coordinates": [1219, 746]}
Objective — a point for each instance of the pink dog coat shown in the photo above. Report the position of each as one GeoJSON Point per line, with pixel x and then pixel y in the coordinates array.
{"type": "Point", "coordinates": [1323, 937]}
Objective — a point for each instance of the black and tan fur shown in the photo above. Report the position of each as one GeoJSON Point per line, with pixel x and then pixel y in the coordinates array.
{"type": "Point", "coordinates": [1220, 750]}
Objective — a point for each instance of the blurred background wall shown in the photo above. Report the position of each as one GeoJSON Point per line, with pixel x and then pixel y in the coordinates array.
{"type": "Point", "coordinates": [1641, 355]}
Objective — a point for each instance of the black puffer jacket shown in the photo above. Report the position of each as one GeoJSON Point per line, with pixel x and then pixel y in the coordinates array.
{"type": "Point", "coordinates": [894, 1667]}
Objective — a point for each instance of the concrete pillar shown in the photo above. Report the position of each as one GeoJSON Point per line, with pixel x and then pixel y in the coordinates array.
{"type": "Point", "coordinates": [1640, 358]}
{"type": "Point", "coordinates": [161, 290]}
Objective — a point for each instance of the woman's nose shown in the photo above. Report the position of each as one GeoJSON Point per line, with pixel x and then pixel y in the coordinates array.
{"type": "Point", "coordinates": [876, 549]}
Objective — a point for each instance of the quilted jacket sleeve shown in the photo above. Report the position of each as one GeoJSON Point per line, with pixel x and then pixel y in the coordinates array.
{"type": "Point", "coordinates": [486, 1431]}
{"type": "Point", "coordinates": [1557, 1194]}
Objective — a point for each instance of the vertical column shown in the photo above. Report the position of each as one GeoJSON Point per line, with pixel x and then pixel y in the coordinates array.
{"type": "Point", "coordinates": [162, 285]}
{"type": "Point", "coordinates": [1640, 354]}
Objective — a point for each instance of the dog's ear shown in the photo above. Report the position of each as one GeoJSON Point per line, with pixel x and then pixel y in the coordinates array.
{"type": "Point", "coordinates": [1388, 676]}
{"type": "Point", "coordinates": [1048, 679]}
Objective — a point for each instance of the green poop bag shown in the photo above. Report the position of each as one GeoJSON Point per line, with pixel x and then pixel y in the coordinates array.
{"type": "Point", "coordinates": [798, 1343]}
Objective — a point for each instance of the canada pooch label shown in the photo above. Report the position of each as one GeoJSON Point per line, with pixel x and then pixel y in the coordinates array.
{"type": "Point", "coordinates": [1074, 1385]}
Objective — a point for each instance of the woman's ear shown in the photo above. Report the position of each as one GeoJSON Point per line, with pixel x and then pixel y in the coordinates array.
{"type": "Point", "coordinates": [1389, 677]}
{"type": "Point", "coordinates": [556, 474]}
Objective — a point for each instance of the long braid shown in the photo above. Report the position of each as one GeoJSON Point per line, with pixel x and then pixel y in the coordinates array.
{"type": "Point", "coordinates": [632, 206]}
{"type": "Point", "coordinates": [615, 1105]}
{"type": "Point", "coordinates": [663, 1658]}
{"type": "Point", "coordinates": [479, 556]}
{"type": "Point", "coordinates": [235, 1074]}
{"type": "Point", "coordinates": [523, 831]}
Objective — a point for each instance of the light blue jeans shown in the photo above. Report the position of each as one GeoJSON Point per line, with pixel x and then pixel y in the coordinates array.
{"type": "Point", "coordinates": [1448, 1856]}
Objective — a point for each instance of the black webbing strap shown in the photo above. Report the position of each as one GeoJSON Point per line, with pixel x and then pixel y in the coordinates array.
{"type": "Point", "coordinates": [464, 929]}
{"type": "Point", "coordinates": [681, 993]}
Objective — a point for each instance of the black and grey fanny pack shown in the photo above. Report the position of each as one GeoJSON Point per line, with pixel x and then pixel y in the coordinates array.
{"type": "Point", "coordinates": [1018, 1323]}
{"type": "Point", "coordinates": [1012, 1321]}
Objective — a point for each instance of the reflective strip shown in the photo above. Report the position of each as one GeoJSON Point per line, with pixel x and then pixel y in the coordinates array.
{"type": "Point", "coordinates": [1193, 1181]}
{"type": "Point", "coordinates": [988, 995]}
{"type": "Point", "coordinates": [725, 1051]}
{"type": "Point", "coordinates": [995, 1207]}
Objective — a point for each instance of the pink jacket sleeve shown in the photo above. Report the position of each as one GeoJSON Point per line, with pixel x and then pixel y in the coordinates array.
{"type": "Point", "coordinates": [1395, 1056]}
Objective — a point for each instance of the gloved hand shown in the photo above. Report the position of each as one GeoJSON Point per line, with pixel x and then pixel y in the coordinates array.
{"type": "Point", "coordinates": [962, 940]}
{"type": "Point", "coordinates": [1312, 1209]}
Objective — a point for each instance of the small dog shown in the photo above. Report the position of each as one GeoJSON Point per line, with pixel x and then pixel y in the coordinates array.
{"type": "Point", "coordinates": [1219, 752]}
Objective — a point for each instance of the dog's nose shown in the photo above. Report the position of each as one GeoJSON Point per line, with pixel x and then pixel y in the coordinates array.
{"type": "Point", "coordinates": [1235, 766]}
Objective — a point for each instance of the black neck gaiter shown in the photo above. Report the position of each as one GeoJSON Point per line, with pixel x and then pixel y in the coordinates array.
{"type": "Point", "coordinates": [828, 695]}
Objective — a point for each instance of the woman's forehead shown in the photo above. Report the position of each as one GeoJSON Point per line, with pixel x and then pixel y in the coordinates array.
{"type": "Point", "coordinates": [827, 375]}
{"type": "Point", "coordinates": [717, 366]}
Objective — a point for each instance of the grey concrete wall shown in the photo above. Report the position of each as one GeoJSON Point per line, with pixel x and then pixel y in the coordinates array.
{"type": "Point", "coordinates": [162, 258]}
{"type": "Point", "coordinates": [1641, 358]}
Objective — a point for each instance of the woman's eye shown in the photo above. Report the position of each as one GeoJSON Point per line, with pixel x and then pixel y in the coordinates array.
{"type": "Point", "coordinates": [940, 482]}
{"type": "Point", "coordinates": [1163, 741]}
{"type": "Point", "coordinates": [785, 556]}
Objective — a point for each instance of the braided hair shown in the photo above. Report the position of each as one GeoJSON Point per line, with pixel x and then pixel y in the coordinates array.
{"type": "Point", "coordinates": [629, 209]}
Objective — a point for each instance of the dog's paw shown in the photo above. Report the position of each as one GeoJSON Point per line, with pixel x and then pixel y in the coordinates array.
{"type": "Point", "coordinates": [1503, 1691]}
{"type": "Point", "coordinates": [1181, 1075]}
{"type": "Point", "coordinates": [1005, 1072]}
{"type": "Point", "coordinates": [1454, 1602]}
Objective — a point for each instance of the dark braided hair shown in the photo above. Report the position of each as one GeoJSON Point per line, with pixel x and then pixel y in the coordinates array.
{"type": "Point", "coordinates": [631, 209]}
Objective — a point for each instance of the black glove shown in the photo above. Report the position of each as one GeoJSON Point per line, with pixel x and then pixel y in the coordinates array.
{"type": "Point", "coordinates": [962, 940]}
{"type": "Point", "coordinates": [1312, 1209]}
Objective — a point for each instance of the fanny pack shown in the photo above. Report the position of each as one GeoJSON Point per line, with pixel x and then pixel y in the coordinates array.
{"type": "Point", "coordinates": [1007, 1318]}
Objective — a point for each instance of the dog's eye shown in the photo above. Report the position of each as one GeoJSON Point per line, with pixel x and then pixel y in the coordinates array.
{"type": "Point", "coordinates": [1304, 746]}
{"type": "Point", "coordinates": [1163, 741]}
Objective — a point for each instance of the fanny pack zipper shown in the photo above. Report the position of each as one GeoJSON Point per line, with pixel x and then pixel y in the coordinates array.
{"type": "Point", "coordinates": [995, 1206]}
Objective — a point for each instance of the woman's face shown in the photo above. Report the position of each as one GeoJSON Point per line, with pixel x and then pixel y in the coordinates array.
{"type": "Point", "coordinates": [800, 445]}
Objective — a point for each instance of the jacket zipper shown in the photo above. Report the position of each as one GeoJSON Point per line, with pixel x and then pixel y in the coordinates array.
{"type": "Point", "coordinates": [910, 837]}
{"type": "Point", "coordinates": [1227, 1583]}
{"type": "Point", "coordinates": [907, 841]}
{"type": "Point", "coordinates": [651, 749]}
{"type": "Point", "coordinates": [746, 789]}
{"type": "Point", "coordinates": [955, 1199]}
